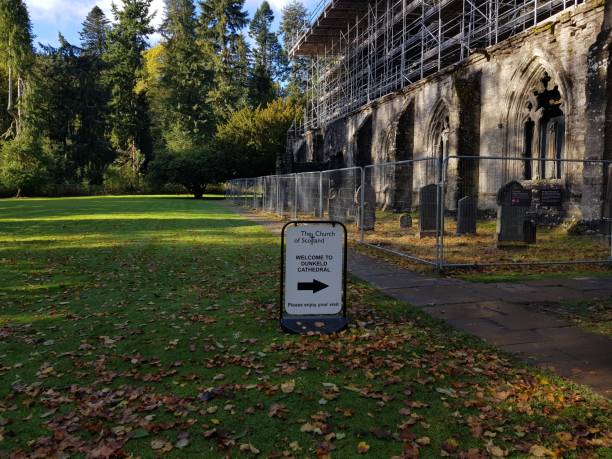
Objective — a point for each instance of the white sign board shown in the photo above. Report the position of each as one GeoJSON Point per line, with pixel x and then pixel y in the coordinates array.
{"type": "Point", "coordinates": [314, 269]}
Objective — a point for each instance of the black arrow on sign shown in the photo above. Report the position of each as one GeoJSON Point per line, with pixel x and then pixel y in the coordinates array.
{"type": "Point", "coordinates": [315, 286]}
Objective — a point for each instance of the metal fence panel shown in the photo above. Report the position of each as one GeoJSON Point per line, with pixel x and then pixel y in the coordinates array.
{"type": "Point", "coordinates": [400, 208]}
{"type": "Point", "coordinates": [505, 211]}
{"type": "Point", "coordinates": [458, 212]}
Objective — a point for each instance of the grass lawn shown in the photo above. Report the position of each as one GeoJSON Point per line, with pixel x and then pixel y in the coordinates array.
{"type": "Point", "coordinates": [142, 326]}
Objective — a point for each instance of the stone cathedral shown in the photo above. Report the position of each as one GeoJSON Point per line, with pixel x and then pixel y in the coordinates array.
{"type": "Point", "coordinates": [515, 90]}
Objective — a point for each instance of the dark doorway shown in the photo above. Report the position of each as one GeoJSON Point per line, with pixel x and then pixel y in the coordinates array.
{"type": "Point", "coordinates": [401, 200]}
{"type": "Point", "coordinates": [364, 143]}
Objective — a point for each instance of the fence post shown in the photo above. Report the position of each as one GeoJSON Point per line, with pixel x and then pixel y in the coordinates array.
{"type": "Point", "coordinates": [361, 205]}
{"type": "Point", "coordinates": [277, 196]}
{"type": "Point", "coordinates": [440, 214]}
{"type": "Point", "coordinates": [321, 195]}
{"type": "Point", "coordinates": [610, 225]}
{"type": "Point", "coordinates": [295, 195]}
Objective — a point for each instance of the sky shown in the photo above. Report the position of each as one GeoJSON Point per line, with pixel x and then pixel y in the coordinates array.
{"type": "Point", "coordinates": [66, 16]}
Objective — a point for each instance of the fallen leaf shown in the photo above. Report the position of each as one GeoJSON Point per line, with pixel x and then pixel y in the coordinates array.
{"type": "Point", "coordinates": [288, 387]}
{"type": "Point", "coordinates": [363, 447]}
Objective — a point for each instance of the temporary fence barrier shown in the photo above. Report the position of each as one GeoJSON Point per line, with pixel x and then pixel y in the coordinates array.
{"type": "Point", "coordinates": [458, 211]}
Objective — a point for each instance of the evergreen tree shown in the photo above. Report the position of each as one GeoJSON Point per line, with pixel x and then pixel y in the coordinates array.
{"type": "Point", "coordinates": [185, 80]}
{"type": "Point", "coordinates": [128, 110]}
{"type": "Point", "coordinates": [17, 54]}
{"type": "Point", "coordinates": [95, 31]}
{"type": "Point", "coordinates": [70, 108]}
{"type": "Point", "coordinates": [94, 94]}
{"type": "Point", "coordinates": [219, 32]}
{"type": "Point", "coordinates": [268, 59]}
{"type": "Point", "coordinates": [293, 20]}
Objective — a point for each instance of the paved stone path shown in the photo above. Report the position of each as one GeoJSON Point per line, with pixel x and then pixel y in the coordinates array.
{"type": "Point", "coordinates": [499, 314]}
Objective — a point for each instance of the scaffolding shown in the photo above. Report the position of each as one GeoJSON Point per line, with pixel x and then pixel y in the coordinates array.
{"type": "Point", "coordinates": [362, 50]}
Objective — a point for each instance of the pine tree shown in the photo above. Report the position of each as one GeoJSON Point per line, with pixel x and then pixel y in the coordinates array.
{"type": "Point", "coordinates": [219, 33]}
{"type": "Point", "coordinates": [268, 60]}
{"type": "Point", "coordinates": [185, 80]}
{"type": "Point", "coordinates": [95, 31]}
{"type": "Point", "coordinates": [17, 54]}
{"type": "Point", "coordinates": [93, 148]}
{"type": "Point", "coordinates": [129, 118]}
{"type": "Point", "coordinates": [293, 20]}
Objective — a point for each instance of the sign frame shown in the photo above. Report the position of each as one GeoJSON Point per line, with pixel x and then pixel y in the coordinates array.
{"type": "Point", "coordinates": [316, 323]}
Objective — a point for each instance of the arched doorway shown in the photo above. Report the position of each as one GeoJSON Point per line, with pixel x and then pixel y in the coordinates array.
{"type": "Point", "coordinates": [438, 143]}
{"type": "Point", "coordinates": [364, 143]}
{"type": "Point", "coordinates": [401, 195]}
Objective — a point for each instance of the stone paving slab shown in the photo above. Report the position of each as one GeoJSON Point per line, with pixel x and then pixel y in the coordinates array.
{"type": "Point", "coordinates": [423, 296]}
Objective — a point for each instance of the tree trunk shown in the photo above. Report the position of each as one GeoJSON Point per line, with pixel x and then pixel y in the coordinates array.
{"type": "Point", "coordinates": [20, 90]}
{"type": "Point", "coordinates": [10, 106]}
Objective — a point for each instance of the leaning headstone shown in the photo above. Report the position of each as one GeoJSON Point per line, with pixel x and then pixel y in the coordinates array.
{"type": "Point", "coordinates": [369, 207]}
{"type": "Point", "coordinates": [386, 191]}
{"type": "Point", "coordinates": [334, 206]}
{"type": "Point", "coordinates": [405, 221]}
{"type": "Point", "coordinates": [513, 204]}
{"type": "Point", "coordinates": [466, 215]}
{"type": "Point", "coordinates": [428, 210]}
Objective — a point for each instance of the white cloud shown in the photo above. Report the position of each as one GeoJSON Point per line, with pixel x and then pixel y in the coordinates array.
{"type": "Point", "coordinates": [67, 13]}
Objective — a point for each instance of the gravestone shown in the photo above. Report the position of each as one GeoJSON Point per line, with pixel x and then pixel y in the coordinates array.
{"type": "Point", "coordinates": [428, 210]}
{"type": "Point", "coordinates": [551, 197]}
{"type": "Point", "coordinates": [513, 204]}
{"type": "Point", "coordinates": [334, 205]}
{"type": "Point", "coordinates": [405, 221]}
{"type": "Point", "coordinates": [369, 207]}
{"type": "Point", "coordinates": [386, 191]}
{"type": "Point", "coordinates": [466, 215]}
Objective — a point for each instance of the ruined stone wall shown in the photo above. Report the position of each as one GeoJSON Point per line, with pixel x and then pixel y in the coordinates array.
{"type": "Point", "coordinates": [479, 107]}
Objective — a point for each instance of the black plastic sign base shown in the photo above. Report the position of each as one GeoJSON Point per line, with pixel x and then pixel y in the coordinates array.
{"type": "Point", "coordinates": [306, 324]}
{"type": "Point", "coordinates": [313, 277]}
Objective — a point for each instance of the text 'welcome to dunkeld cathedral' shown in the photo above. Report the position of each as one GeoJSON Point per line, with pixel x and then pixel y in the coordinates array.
{"type": "Point", "coordinates": [484, 92]}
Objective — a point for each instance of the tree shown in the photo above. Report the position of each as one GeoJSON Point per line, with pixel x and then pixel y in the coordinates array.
{"type": "Point", "coordinates": [293, 20]}
{"type": "Point", "coordinates": [17, 54]}
{"type": "Point", "coordinates": [70, 107]}
{"type": "Point", "coordinates": [252, 137]}
{"type": "Point", "coordinates": [268, 59]}
{"type": "Point", "coordinates": [184, 79]}
{"type": "Point", "coordinates": [95, 97]}
{"type": "Point", "coordinates": [128, 110]}
{"type": "Point", "coordinates": [95, 32]}
{"type": "Point", "coordinates": [194, 168]}
{"type": "Point", "coordinates": [219, 34]}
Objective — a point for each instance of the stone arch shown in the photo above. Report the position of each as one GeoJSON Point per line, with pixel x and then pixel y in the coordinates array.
{"type": "Point", "coordinates": [538, 104]}
{"type": "Point", "coordinates": [401, 193]}
{"type": "Point", "coordinates": [398, 145]}
{"type": "Point", "coordinates": [363, 137]}
{"type": "Point", "coordinates": [437, 140]}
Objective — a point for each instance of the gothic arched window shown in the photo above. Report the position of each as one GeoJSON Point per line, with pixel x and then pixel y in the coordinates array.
{"type": "Point", "coordinates": [544, 132]}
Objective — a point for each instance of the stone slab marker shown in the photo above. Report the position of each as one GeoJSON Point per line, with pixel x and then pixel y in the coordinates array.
{"type": "Point", "coordinates": [513, 203]}
{"type": "Point", "coordinates": [369, 208]}
{"type": "Point", "coordinates": [466, 215]}
{"type": "Point", "coordinates": [405, 221]}
{"type": "Point", "coordinates": [428, 210]}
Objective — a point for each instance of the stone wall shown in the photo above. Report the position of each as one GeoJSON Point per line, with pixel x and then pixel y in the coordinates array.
{"type": "Point", "coordinates": [478, 109]}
